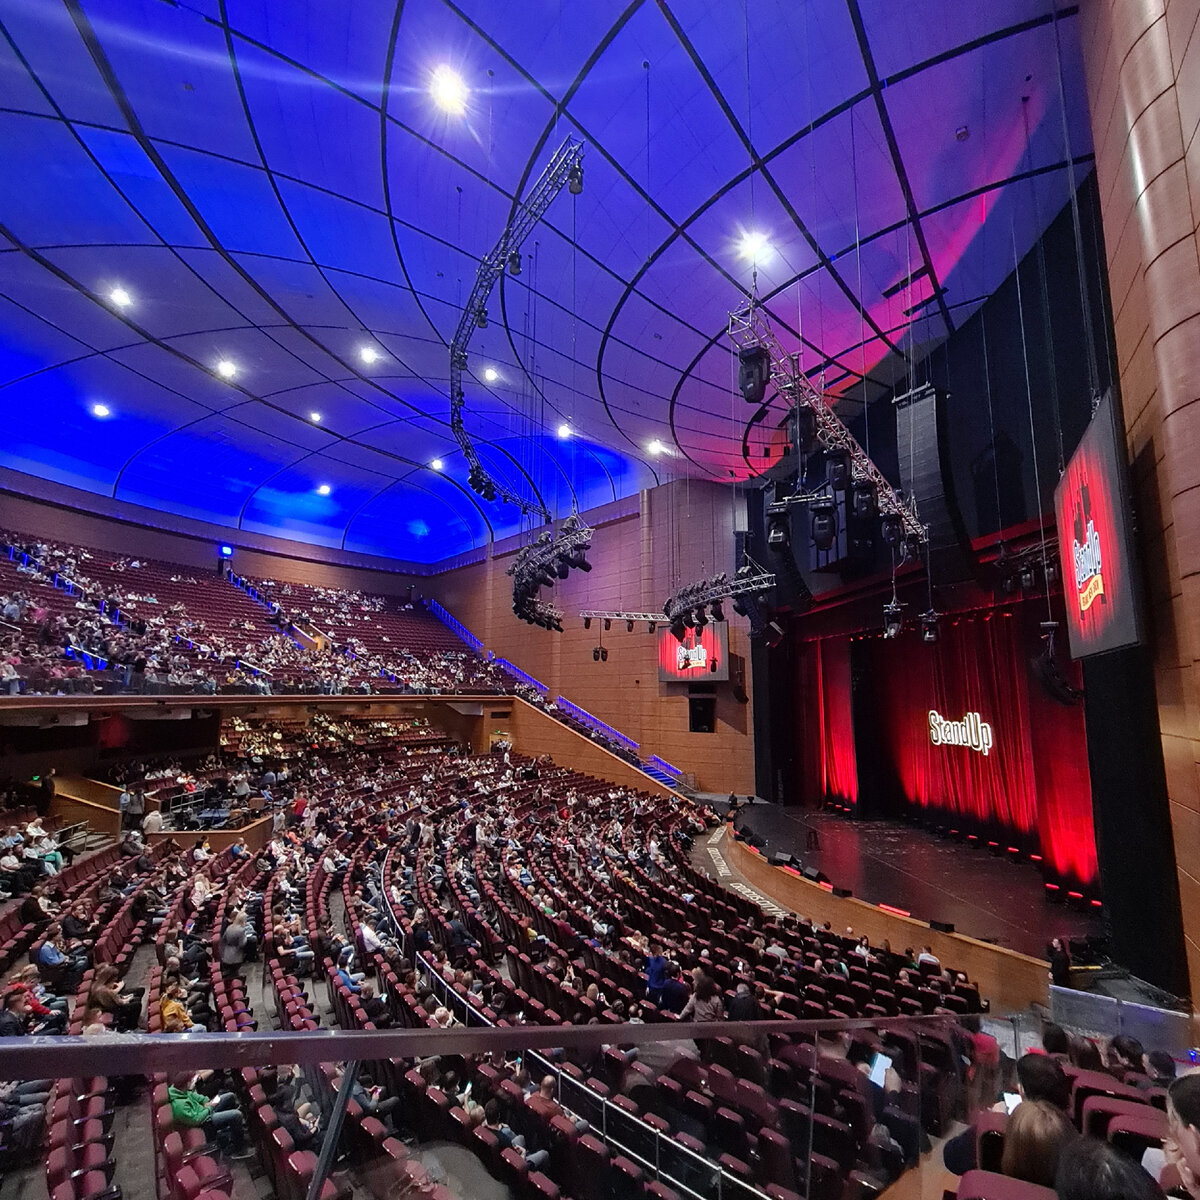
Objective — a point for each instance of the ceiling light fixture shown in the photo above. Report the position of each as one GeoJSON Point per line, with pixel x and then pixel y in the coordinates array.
{"type": "Point", "coordinates": [315, 418]}
{"type": "Point", "coordinates": [324, 490]}
{"type": "Point", "coordinates": [656, 447]}
{"type": "Point", "coordinates": [101, 410]}
{"type": "Point", "coordinates": [754, 247]}
{"type": "Point", "coordinates": [120, 297]}
{"type": "Point", "coordinates": [564, 430]}
{"type": "Point", "coordinates": [449, 91]}
{"type": "Point", "coordinates": [437, 464]}
{"type": "Point", "coordinates": [226, 369]}
{"type": "Point", "coordinates": [368, 354]}
{"type": "Point", "coordinates": [490, 374]}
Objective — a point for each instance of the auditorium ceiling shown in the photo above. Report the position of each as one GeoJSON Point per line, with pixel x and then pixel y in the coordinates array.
{"type": "Point", "coordinates": [235, 237]}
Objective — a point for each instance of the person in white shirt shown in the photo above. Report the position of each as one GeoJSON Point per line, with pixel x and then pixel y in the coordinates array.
{"type": "Point", "coordinates": [153, 822]}
{"type": "Point", "coordinates": [927, 956]}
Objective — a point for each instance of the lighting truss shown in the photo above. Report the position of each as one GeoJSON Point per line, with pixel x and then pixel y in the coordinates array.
{"type": "Point", "coordinates": [575, 536]}
{"type": "Point", "coordinates": [748, 327]}
{"type": "Point", "coordinates": [564, 165]}
{"type": "Point", "coordinates": [650, 618]}
{"type": "Point", "coordinates": [751, 578]}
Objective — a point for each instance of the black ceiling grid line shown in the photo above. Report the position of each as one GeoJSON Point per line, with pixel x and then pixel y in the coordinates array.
{"type": "Point", "coordinates": [885, 120]}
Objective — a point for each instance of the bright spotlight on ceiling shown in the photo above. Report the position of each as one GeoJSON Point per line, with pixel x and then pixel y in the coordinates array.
{"type": "Point", "coordinates": [315, 418]}
{"type": "Point", "coordinates": [101, 410]}
{"type": "Point", "coordinates": [754, 247]}
{"type": "Point", "coordinates": [226, 369]}
{"type": "Point", "coordinates": [120, 297]}
{"type": "Point", "coordinates": [490, 375]}
{"type": "Point", "coordinates": [656, 447]}
{"type": "Point", "coordinates": [324, 490]}
{"type": "Point", "coordinates": [368, 354]}
{"type": "Point", "coordinates": [564, 430]}
{"type": "Point", "coordinates": [448, 90]}
{"type": "Point", "coordinates": [437, 464]}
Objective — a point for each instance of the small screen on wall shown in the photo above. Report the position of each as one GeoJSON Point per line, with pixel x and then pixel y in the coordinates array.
{"type": "Point", "coordinates": [702, 656]}
{"type": "Point", "coordinates": [1091, 507]}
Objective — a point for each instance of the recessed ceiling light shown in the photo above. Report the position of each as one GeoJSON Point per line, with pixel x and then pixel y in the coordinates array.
{"type": "Point", "coordinates": [226, 369]}
{"type": "Point", "coordinates": [656, 447]}
{"type": "Point", "coordinates": [448, 90]}
{"type": "Point", "coordinates": [315, 418]}
{"type": "Point", "coordinates": [437, 464]}
{"type": "Point", "coordinates": [101, 410]}
{"type": "Point", "coordinates": [324, 490]}
{"type": "Point", "coordinates": [120, 297]}
{"type": "Point", "coordinates": [490, 374]}
{"type": "Point", "coordinates": [368, 354]}
{"type": "Point", "coordinates": [564, 430]}
{"type": "Point", "coordinates": [754, 247]}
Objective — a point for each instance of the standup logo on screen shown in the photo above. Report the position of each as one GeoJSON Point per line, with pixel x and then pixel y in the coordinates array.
{"type": "Point", "coordinates": [1085, 549]}
{"type": "Point", "coordinates": [972, 731]}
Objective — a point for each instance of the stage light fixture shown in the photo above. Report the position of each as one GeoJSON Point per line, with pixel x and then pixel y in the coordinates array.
{"type": "Point", "coordinates": [587, 622]}
{"type": "Point", "coordinates": [754, 247]}
{"type": "Point", "coordinates": [448, 91]}
{"type": "Point", "coordinates": [628, 626]}
{"type": "Point", "coordinates": [437, 464]}
{"type": "Point", "coordinates": [120, 297]}
{"type": "Point", "coordinates": [1028, 579]}
{"type": "Point", "coordinates": [754, 373]}
{"type": "Point", "coordinates": [864, 500]}
{"type": "Point", "coordinates": [837, 469]}
{"type": "Point", "coordinates": [892, 530]}
{"type": "Point", "coordinates": [652, 627]}
{"type": "Point", "coordinates": [604, 654]}
{"type": "Point", "coordinates": [514, 262]}
{"type": "Point", "coordinates": [689, 619]}
{"type": "Point", "coordinates": [893, 620]}
{"type": "Point", "coordinates": [607, 624]}
{"type": "Point", "coordinates": [226, 369]}
{"type": "Point", "coordinates": [490, 374]}
{"type": "Point", "coordinates": [368, 354]}
{"type": "Point", "coordinates": [575, 180]}
{"type": "Point", "coordinates": [824, 525]}
{"type": "Point", "coordinates": [773, 634]}
{"type": "Point", "coordinates": [595, 654]}
{"type": "Point", "coordinates": [804, 430]}
{"type": "Point", "coordinates": [678, 629]}
{"type": "Point", "coordinates": [481, 318]}
{"type": "Point", "coordinates": [779, 534]}
{"type": "Point", "coordinates": [929, 627]}
{"type": "Point", "coordinates": [564, 431]}
{"type": "Point", "coordinates": [701, 617]}
{"type": "Point", "coordinates": [718, 613]}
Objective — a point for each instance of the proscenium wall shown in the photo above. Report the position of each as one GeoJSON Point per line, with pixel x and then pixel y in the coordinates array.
{"type": "Point", "coordinates": [1143, 77]}
{"type": "Point", "coordinates": [684, 531]}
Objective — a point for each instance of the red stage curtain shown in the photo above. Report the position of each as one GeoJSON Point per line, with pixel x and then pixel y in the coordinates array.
{"type": "Point", "coordinates": [1033, 782]}
{"type": "Point", "coordinates": [828, 766]}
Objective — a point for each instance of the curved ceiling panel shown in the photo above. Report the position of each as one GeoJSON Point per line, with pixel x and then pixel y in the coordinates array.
{"type": "Point", "coordinates": [246, 231]}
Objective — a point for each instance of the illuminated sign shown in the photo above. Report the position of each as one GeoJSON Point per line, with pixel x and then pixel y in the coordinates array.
{"type": "Point", "coordinates": [972, 731]}
{"type": "Point", "coordinates": [703, 655]}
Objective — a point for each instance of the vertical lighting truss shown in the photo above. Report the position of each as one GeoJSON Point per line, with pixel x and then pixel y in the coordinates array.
{"type": "Point", "coordinates": [564, 166]}
{"type": "Point", "coordinates": [748, 328]}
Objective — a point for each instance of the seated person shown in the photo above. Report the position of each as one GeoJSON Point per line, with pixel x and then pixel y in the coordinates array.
{"type": "Point", "coordinates": [219, 1117]}
{"type": "Point", "coordinates": [1034, 1138]}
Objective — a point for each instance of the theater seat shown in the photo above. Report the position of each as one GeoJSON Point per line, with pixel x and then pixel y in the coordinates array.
{"type": "Point", "coordinates": [987, 1185]}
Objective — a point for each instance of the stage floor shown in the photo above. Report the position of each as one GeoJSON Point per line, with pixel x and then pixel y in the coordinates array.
{"type": "Point", "coordinates": [888, 862]}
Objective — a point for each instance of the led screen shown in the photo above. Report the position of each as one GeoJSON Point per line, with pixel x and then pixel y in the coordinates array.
{"type": "Point", "coordinates": [702, 656]}
{"type": "Point", "coordinates": [1099, 584]}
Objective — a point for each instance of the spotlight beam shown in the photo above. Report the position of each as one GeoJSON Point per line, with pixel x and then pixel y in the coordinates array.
{"type": "Point", "coordinates": [564, 169]}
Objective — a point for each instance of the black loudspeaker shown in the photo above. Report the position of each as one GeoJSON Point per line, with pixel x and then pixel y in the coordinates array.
{"type": "Point", "coordinates": [926, 474]}
{"type": "Point", "coordinates": [781, 859]}
{"type": "Point", "coordinates": [754, 373]}
{"type": "Point", "coordinates": [814, 875]}
{"type": "Point", "coordinates": [843, 892]}
{"type": "Point", "coordinates": [942, 926]}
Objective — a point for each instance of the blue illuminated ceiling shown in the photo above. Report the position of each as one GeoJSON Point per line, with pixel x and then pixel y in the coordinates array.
{"type": "Point", "coordinates": [273, 187]}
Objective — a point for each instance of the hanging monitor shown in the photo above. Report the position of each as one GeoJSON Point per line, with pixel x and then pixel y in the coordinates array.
{"type": "Point", "coordinates": [1091, 504]}
{"type": "Point", "coordinates": [702, 656]}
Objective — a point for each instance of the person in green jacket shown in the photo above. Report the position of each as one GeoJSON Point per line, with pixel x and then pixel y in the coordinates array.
{"type": "Point", "coordinates": [220, 1117]}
